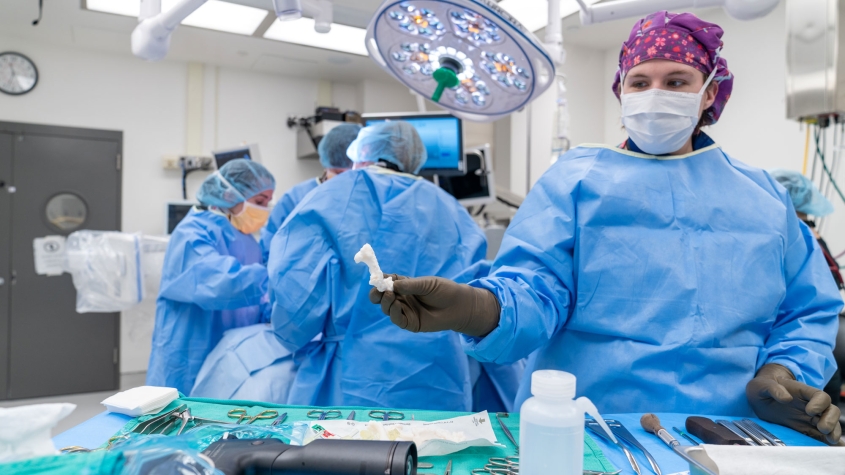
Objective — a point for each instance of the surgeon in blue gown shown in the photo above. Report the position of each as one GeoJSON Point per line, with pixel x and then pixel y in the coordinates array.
{"type": "Point", "coordinates": [213, 277]}
{"type": "Point", "coordinates": [250, 363]}
{"type": "Point", "coordinates": [332, 150]}
{"type": "Point", "coordinates": [362, 359]}
{"type": "Point", "coordinates": [664, 273]}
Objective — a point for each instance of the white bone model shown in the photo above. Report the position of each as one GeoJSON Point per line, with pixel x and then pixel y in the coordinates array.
{"type": "Point", "coordinates": [377, 278]}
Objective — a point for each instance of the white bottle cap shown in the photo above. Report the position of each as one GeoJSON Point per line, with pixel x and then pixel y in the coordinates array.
{"type": "Point", "coordinates": [553, 383]}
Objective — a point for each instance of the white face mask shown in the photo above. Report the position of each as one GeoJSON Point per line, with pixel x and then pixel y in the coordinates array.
{"type": "Point", "coordinates": [661, 121]}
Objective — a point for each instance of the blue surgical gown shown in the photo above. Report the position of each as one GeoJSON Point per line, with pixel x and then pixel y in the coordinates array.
{"type": "Point", "coordinates": [363, 359]}
{"type": "Point", "coordinates": [212, 280]}
{"type": "Point", "coordinates": [248, 364]}
{"type": "Point", "coordinates": [281, 211]}
{"type": "Point", "coordinates": [662, 284]}
{"type": "Point", "coordinates": [494, 385]}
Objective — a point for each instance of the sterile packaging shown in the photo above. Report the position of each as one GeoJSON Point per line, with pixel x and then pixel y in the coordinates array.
{"type": "Point", "coordinates": [432, 438]}
{"type": "Point", "coordinates": [114, 271]}
{"type": "Point", "coordinates": [25, 430]}
{"type": "Point", "coordinates": [159, 455]}
{"type": "Point", "coordinates": [141, 400]}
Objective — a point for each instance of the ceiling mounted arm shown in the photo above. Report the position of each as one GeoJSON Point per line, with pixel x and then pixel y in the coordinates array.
{"type": "Point", "coordinates": [151, 38]}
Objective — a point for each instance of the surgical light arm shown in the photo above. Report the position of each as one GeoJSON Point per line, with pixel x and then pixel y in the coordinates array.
{"type": "Point", "coordinates": [609, 11]}
{"type": "Point", "coordinates": [151, 38]}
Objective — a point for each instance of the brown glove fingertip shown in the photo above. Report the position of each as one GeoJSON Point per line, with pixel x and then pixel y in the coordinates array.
{"type": "Point", "coordinates": [375, 295]}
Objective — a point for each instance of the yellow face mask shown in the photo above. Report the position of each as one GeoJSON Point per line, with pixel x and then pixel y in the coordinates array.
{"type": "Point", "coordinates": [251, 218]}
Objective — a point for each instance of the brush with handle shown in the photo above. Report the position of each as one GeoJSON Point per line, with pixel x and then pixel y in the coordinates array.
{"type": "Point", "coordinates": [651, 423]}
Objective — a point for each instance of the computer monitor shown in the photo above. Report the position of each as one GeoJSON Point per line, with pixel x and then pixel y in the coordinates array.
{"type": "Point", "coordinates": [175, 213]}
{"type": "Point", "coordinates": [477, 186]}
{"type": "Point", "coordinates": [249, 152]}
{"type": "Point", "coordinates": [442, 135]}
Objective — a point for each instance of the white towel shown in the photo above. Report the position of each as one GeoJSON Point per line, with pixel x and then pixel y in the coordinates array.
{"type": "Point", "coordinates": [141, 400]}
{"type": "Point", "coordinates": [745, 460]}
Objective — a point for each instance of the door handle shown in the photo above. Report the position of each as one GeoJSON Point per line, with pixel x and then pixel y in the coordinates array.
{"type": "Point", "coordinates": [2, 281]}
{"type": "Point", "coordinates": [14, 279]}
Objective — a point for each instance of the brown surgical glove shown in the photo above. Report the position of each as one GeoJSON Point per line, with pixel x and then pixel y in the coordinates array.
{"type": "Point", "coordinates": [433, 304]}
{"type": "Point", "coordinates": [777, 397]}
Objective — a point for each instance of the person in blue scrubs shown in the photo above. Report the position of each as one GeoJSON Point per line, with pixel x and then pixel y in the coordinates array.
{"type": "Point", "coordinates": [213, 277]}
{"type": "Point", "coordinates": [665, 274]}
{"type": "Point", "coordinates": [361, 358]}
{"type": "Point", "coordinates": [810, 203]}
{"type": "Point", "coordinates": [332, 151]}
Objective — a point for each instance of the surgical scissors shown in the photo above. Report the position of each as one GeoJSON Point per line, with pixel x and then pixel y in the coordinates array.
{"type": "Point", "coordinates": [386, 415]}
{"type": "Point", "coordinates": [322, 415]}
{"type": "Point", "coordinates": [241, 414]}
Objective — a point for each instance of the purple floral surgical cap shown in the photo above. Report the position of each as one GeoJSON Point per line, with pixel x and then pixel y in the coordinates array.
{"type": "Point", "coordinates": [683, 38]}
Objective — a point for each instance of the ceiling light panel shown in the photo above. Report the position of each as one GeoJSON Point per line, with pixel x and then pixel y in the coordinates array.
{"type": "Point", "coordinates": [213, 15]}
{"type": "Point", "coordinates": [118, 7]}
{"type": "Point", "coordinates": [223, 16]}
{"type": "Point", "coordinates": [534, 14]}
{"type": "Point", "coordinates": [346, 39]}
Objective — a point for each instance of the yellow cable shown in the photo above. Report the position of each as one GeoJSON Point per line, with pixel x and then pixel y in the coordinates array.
{"type": "Point", "coordinates": [806, 150]}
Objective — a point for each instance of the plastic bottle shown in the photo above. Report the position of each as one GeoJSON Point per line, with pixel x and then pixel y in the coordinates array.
{"type": "Point", "coordinates": [551, 428]}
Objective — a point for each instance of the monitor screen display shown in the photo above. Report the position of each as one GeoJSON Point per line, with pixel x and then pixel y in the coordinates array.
{"type": "Point", "coordinates": [176, 212]}
{"type": "Point", "coordinates": [442, 135]}
{"type": "Point", "coordinates": [223, 157]}
{"type": "Point", "coordinates": [471, 185]}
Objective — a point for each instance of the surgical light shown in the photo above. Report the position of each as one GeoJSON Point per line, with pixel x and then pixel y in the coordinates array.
{"type": "Point", "coordinates": [469, 56]}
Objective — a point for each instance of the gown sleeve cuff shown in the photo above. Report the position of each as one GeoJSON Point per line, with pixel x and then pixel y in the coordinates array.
{"type": "Point", "coordinates": [491, 347]}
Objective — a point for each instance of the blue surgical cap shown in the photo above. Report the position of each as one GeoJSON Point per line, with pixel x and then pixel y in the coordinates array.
{"type": "Point", "coordinates": [805, 196]}
{"type": "Point", "coordinates": [236, 181]}
{"type": "Point", "coordinates": [333, 146]}
{"type": "Point", "coordinates": [396, 142]}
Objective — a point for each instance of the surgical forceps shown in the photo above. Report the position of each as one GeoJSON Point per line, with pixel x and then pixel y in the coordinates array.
{"type": "Point", "coordinates": [596, 429]}
{"type": "Point", "coordinates": [142, 427]}
{"type": "Point", "coordinates": [507, 431]}
{"type": "Point", "coordinates": [241, 414]}
{"type": "Point", "coordinates": [755, 434]}
{"type": "Point", "coordinates": [622, 432]}
{"type": "Point", "coordinates": [322, 415]}
{"type": "Point", "coordinates": [386, 415]}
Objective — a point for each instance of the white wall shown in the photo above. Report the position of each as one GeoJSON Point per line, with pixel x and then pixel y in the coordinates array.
{"type": "Point", "coordinates": [254, 107]}
{"type": "Point", "coordinates": [585, 83]}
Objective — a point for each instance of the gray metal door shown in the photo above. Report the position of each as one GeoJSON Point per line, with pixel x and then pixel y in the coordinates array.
{"type": "Point", "coordinates": [5, 265]}
{"type": "Point", "coordinates": [65, 179]}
